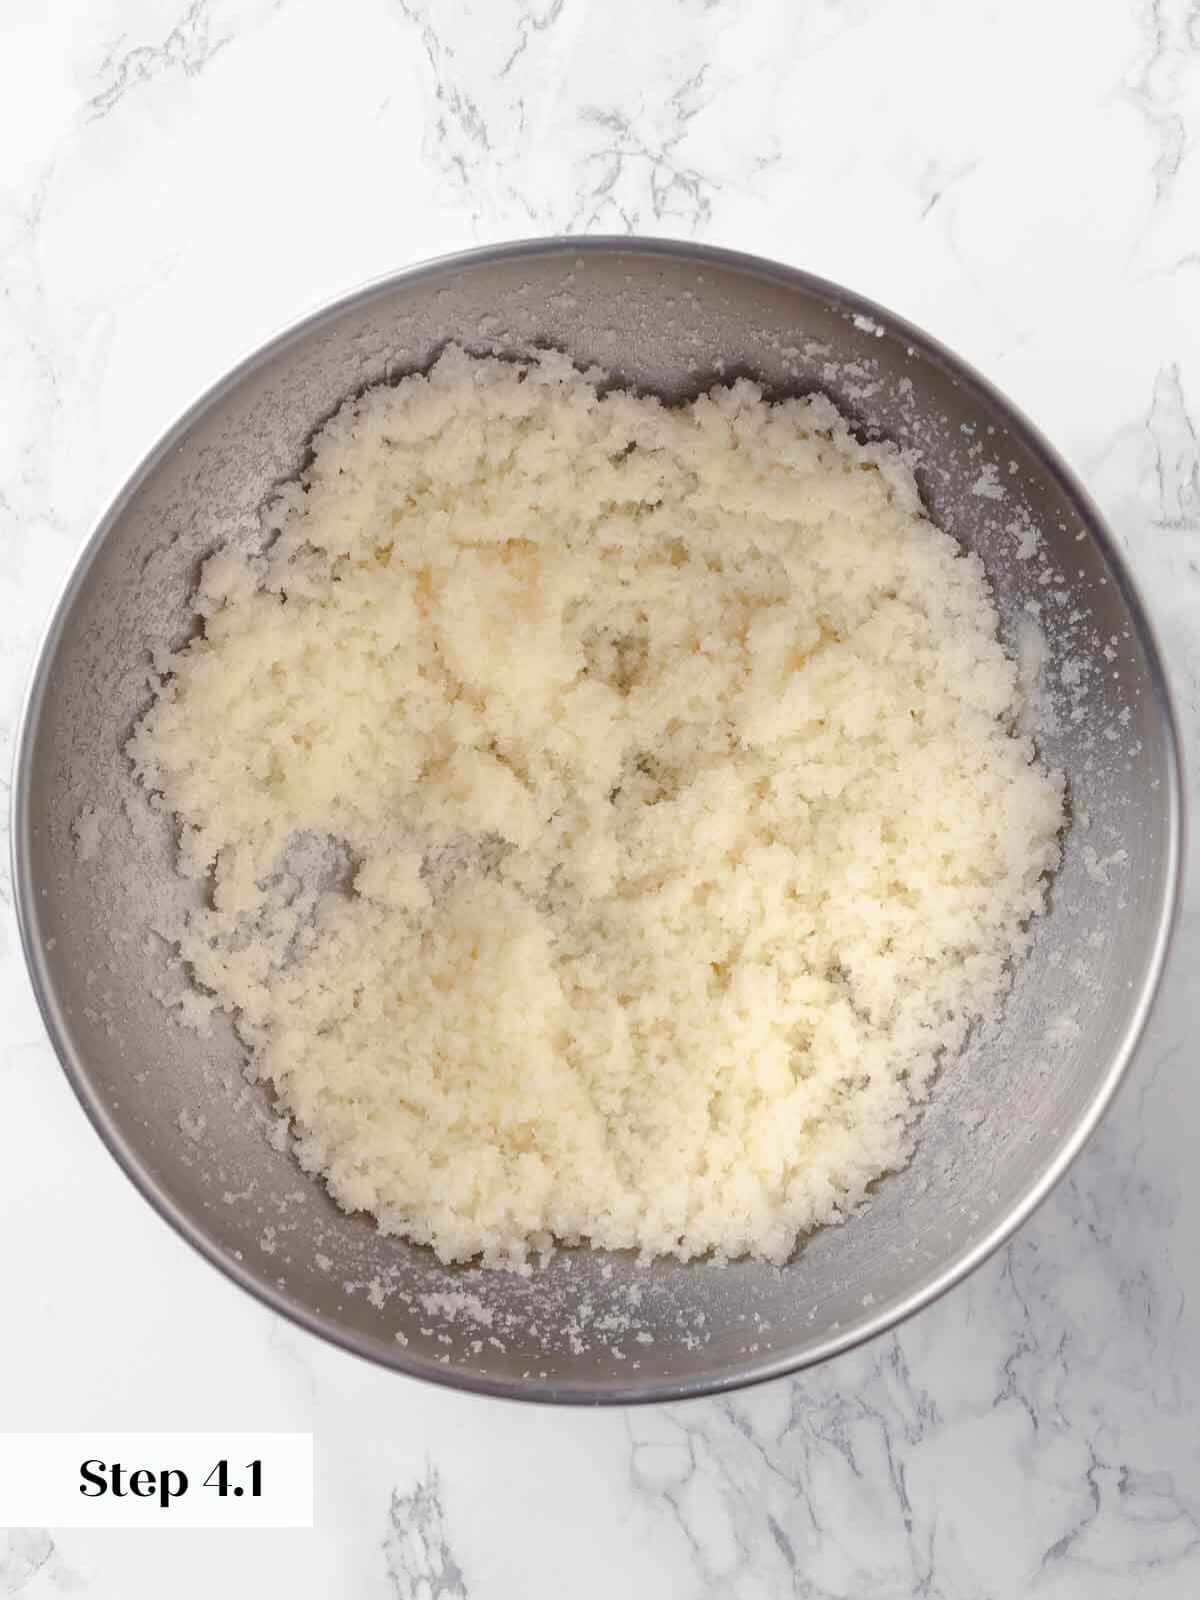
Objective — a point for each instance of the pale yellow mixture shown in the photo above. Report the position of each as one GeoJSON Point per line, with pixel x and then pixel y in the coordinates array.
{"type": "Point", "coordinates": [672, 755]}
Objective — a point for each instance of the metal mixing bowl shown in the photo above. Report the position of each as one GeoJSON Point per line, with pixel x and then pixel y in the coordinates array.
{"type": "Point", "coordinates": [1006, 1118]}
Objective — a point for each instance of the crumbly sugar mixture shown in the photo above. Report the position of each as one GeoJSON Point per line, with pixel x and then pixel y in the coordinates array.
{"type": "Point", "coordinates": [613, 812]}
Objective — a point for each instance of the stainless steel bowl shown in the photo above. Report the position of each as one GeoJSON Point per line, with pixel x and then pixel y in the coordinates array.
{"type": "Point", "coordinates": [1007, 1117]}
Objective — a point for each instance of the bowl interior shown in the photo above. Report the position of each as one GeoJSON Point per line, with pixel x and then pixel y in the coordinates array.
{"type": "Point", "coordinates": [591, 1325]}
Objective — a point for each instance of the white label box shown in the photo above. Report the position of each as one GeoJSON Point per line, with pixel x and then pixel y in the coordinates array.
{"type": "Point", "coordinates": [156, 1480]}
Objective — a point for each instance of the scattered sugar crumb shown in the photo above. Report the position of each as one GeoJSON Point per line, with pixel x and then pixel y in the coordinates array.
{"type": "Point", "coordinates": [193, 1124]}
{"type": "Point", "coordinates": [455, 1305]}
{"type": "Point", "coordinates": [1062, 1030]}
{"type": "Point", "coordinates": [1098, 867]}
{"type": "Point", "coordinates": [867, 325]}
{"type": "Point", "coordinates": [988, 484]}
{"type": "Point", "coordinates": [88, 829]}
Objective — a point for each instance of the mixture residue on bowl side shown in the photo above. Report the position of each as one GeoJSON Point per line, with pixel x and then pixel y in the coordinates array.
{"type": "Point", "coordinates": [613, 812]}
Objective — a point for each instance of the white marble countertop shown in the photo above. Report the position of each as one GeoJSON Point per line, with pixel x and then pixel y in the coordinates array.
{"type": "Point", "coordinates": [180, 177]}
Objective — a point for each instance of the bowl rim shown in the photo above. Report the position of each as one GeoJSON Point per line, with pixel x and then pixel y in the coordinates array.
{"type": "Point", "coordinates": [749, 1371]}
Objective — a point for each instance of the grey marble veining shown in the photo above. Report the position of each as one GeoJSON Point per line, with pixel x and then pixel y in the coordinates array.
{"type": "Point", "coordinates": [419, 1560]}
{"type": "Point", "coordinates": [178, 179]}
